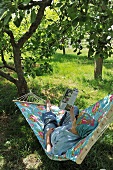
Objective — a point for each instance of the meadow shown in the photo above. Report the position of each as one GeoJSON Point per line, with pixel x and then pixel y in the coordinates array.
{"type": "Point", "coordinates": [20, 149]}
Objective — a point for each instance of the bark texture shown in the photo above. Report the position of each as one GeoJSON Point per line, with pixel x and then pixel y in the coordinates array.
{"type": "Point", "coordinates": [98, 68]}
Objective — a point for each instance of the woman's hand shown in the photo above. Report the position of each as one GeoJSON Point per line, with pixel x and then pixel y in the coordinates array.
{"type": "Point", "coordinates": [72, 110]}
{"type": "Point", "coordinates": [72, 113]}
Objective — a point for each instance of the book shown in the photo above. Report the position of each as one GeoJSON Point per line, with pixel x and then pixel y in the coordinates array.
{"type": "Point", "coordinates": [68, 99]}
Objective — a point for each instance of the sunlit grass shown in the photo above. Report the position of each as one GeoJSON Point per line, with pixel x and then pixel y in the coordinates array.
{"type": "Point", "coordinates": [75, 72]}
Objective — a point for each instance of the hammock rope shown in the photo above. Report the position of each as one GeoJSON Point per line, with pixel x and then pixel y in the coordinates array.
{"type": "Point", "coordinates": [31, 98]}
{"type": "Point", "coordinates": [32, 108]}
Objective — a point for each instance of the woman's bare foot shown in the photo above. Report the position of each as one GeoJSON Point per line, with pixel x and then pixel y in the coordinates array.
{"type": "Point", "coordinates": [48, 105]}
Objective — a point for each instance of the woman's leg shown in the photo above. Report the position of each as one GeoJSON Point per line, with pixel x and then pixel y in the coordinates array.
{"type": "Point", "coordinates": [49, 120]}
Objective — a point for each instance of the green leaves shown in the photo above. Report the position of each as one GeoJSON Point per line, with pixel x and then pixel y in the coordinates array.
{"type": "Point", "coordinates": [44, 68]}
{"type": "Point", "coordinates": [2, 10]}
{"type": "Point", "coordinates": [33, 15]}
{"type": "Point", "coordinates": [18, 21]}
{"type": "Point", "coordinates": [75, 21]}
{"type": "Point", "coordinates": [72, 12]}
{"type": "Point", "coordinates": [7, 18]}
{"type": "Point", "coordinates": [25, 2]}
{"type": "Point", "coordinates": [19, 15]}
{"type": "Point", "coordinates": [33, 69]}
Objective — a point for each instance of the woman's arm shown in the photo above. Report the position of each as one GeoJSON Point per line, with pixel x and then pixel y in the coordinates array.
{"type": "Point", "coordinates": [72, 114]}
{"type": "Point", "coordinates": [48, 140]}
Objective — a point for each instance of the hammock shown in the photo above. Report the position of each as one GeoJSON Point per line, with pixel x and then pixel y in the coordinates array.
{"type": "Point", "coordinates": [33, 106]}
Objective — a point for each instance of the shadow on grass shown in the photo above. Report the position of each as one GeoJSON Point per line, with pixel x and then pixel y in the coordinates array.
{"type": "Point", "coordinates": [102, 85]}
{"type": "Point", "coordinates": [58, 57]}
{"type": "Point", "coordinates": [17, 140]}
{"type": "Point", "coordinates": [7, 94]}
{"type": "Point", "coordinates": [81, 59]}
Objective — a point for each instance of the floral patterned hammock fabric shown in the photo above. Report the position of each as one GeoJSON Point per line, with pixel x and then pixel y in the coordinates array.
{"type": "Point", "coordinates": [101, 111]}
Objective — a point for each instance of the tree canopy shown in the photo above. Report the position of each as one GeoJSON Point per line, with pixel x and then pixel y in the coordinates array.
{"type": "Point", "coordinates": [18, 12]}
{"type": "Point", "coordinates": [40, 27]}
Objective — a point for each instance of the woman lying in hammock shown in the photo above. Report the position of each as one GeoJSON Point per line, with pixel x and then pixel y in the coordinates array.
{"type": "Point", "coordinates": [71, 129]}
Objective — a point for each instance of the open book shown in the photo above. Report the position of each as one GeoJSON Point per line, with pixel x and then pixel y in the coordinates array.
{"type": "Point", "coordinates": [68, 99]}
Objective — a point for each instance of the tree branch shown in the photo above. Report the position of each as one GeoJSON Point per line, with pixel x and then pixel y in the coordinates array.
{"type": "Point", "coordinates": [10, 33]}
{"type": "Point", "coordinates": [8, 77]}
{"type": "Point", "coordinates": [35, 3]}
{"type": "Point", "coordinates": [5, 63]}
{"type": "Point", "coordinates": [30, 5]}
{"type": "Point", "coordinates": [33, 27]}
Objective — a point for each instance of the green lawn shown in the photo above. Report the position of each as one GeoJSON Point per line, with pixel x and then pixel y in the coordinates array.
{"type": "Point", "coordinates": [19, 148]}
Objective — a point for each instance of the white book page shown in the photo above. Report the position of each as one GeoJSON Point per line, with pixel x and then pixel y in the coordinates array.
{"type": "Point", "coordinates": [73, 97]}
{"type": "Point", "coordinates": [68, 98]}
{"type": "Point", "coordinates": [63, 105]}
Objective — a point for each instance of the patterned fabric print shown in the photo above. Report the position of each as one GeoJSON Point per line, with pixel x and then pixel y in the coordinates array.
{"type": "Point", "coordinates": [99, 109]}
{"type": "Point", "coordinates": [85, 119]}
{"type": "Point", "coordinates": [75, 151]}
{"type": "Point", "coordinates": [102, 107]}
{"type": "Point", "coordinates": [33, 114]}
{"type": "Point", "coordinates": [57, 158]}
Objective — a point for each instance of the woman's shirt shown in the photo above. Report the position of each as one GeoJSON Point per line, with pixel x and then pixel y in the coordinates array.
{"type": "Point", "coordinates": [62, 139]}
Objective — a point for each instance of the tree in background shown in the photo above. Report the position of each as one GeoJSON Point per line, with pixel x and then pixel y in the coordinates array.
{"type": "Point", "coordinates": [90, 19]}
{"type": "Point", "coordinates": [78, 20]}
{"type": "Point", "coordinates": [100, 30]}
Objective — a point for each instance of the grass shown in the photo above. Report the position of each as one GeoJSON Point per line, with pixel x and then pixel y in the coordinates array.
{"type": "Point", "coordinates": [19, 148]}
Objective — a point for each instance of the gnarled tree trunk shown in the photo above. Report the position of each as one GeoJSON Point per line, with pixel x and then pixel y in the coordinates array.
{"type": "Point", "coordinates": [21, 83]}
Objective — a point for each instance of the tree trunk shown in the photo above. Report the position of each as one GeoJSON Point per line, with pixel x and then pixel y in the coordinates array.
{"type": "Point", "coordinates": [22, 87]}
{"type": "Point", "coordinates": [21, 83]}
{"type": "Point", "coordinates": [64, 51]}
{"type": "Point", "coordinates": [98, 68]}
